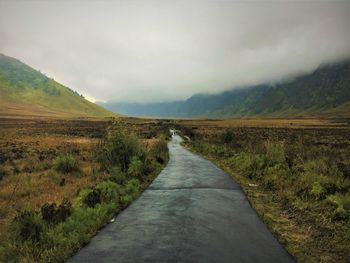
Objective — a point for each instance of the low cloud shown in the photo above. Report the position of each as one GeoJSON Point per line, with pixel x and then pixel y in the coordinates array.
{"type": "Point", "coordinates": [148, 51]}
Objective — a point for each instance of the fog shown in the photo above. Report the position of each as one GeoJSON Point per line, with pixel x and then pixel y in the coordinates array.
{"type": "Point", "coordinates": [148, 51]}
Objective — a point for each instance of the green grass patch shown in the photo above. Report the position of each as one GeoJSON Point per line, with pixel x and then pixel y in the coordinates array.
{"type": "Point", "coordinates": [66, 163]}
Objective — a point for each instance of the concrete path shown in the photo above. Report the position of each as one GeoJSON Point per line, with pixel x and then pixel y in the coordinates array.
{"type": "Point", "coordinates": [192, 212]}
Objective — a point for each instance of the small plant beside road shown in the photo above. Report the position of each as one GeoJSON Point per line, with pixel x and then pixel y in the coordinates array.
{"type": "Point", "coordinates": [66, 163]}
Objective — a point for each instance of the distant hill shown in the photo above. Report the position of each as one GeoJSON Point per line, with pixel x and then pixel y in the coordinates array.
{"type": "Point", "coordinates": [325, 91]}
{"type": "Point", "coordinates": [26, 91]}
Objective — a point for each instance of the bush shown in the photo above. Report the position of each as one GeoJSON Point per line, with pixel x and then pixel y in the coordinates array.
{"type": "Point", "coordinates": [66, 164]}
{"type": "Point", "coordinates": [108, 191]}
{"type": "Point", "coordinates": [28, 226]}
{"type": "Point", "coordinates": [228, 137]}
{"type": "Point", "coordinates": [135, 168]}
{"type": "Point", "coordinates": [344, 168]}
{"type": "Point", "coordinates": [53, 214]}
{"type": "Point", "coordinates": [116, 175]}
{"type": "Point", "coordinates": [316, 180]}
{"type": "Point", "coordinates": [133, 187]}
{"type": "Point", "coordinates": [275, 177]}
{"type": "Point", "coordinates": [118, 150]}
{"type": "Point", "coordinates": [93, 198]}
{"type": "Point", "coordinates": [75, 231]}
{"type": "Point", "coordinates": [56, 243]}
{"type": "Point", "coordinates": [317, 190]}
{"type": "Point", "coordinates": [341, 205]}
{"type": "Point", "coordinates": [160, 151]}
{"type": "Point", "coordinates": [240, 160]}
{"type": "Point", "coordinates": [130, 192]}
{"type": "Point", "coordinates": [150, 166]}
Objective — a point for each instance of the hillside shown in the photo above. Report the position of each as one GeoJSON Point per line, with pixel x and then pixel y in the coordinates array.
{"type": "Point", "coordinates": [324, 91]}
{"type": "Point", "coordinates": [26, 91]}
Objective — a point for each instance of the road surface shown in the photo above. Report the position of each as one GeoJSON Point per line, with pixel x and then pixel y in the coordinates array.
{"type": "Point", "coordinates": [192, 212]}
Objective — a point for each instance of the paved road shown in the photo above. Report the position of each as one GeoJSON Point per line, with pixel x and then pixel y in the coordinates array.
{"type": "Point", "coordinates": [192, 212]}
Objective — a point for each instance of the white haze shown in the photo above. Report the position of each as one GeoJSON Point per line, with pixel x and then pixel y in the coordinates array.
{"type": "Point", "coordinates": [146, 51]}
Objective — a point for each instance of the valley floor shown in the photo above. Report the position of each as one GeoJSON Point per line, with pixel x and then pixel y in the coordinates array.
{"type": "Point", "coordinates": [192, 212]}
{"type": "Point", "coordinates": [295, 173]}
{"type": "Point", "coordinates": [51, 171]}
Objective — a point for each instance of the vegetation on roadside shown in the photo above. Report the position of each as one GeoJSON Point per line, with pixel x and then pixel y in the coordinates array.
{"type": "Point", "coordinates": [66, 163]}
{"type": "Point", "coordinates": [123, 166]}
{"type": "Point", "coordinates": [297, 180]}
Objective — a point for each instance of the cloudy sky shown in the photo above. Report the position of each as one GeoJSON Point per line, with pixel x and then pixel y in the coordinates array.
{"type": "Point", "coordinates": [167, 50]}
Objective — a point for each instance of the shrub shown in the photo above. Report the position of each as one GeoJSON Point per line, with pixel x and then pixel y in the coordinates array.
{"type": "Point", "coordinates": [27, 226]}
{"type": "Point", "coordinates": [135, 167]}
{"type": "Point", "coordinates": [240, 160]}
{"type": "Point", "coordinates": [319, 179]}
{"type": "Point", "coordinates": [116, 175]}
{"type": "Point", "coordinates": [66, 164]}
{"type": "Point", "coordinates": [126, 200]}
{"type": "Point", "coordinates": [130, 192]}
{"type": "Point", "coordinates": [64, 210]}
{"type": "Point", "coordinates": [53, 214]}
{"type": "Point", "coordinates": [344, 168]}
{"type": "Point", "coordinates": [93, 198]}
{"type": "Point", "coordinates": [317, 190]}
{"type": "Point", "coordinates": [108, 191]}
{"type": "Point", "coordinates": [48, 212]}
{"type": "Point", "coordinates": [228, 137]}
{"type": "Point", "coordinates": [160, 151]}
{"type": "Point", "coordinates": [256, 166]}
{"type": "Point", "coordinates": [275, 177]}
{"type": "Point", "coordinates": [150, 165]}
{"type": "Point", "coordinates": [61, 240]}
{"type": "Point", "coordinates": [118, 150]}
{"type": "Point", "coordinates": [341, 205]}
{"type": "Point", "coordinates": [133, 187]}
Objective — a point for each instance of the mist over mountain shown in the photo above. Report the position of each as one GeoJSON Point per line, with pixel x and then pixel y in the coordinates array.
{"type": "Point", "coordinates": [157, 50]}
{"type": "Point", "coordinates": [325, 89]}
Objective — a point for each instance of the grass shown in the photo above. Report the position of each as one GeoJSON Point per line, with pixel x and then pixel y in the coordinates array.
{"type": "Point", "coordinates": [48, 211]}
{"type": "Point", "coordinates": [25, 91]}
{"type": "Point", "coordinates": [66, 163]}
{"type": "Point", "coordinates": [297, 180]}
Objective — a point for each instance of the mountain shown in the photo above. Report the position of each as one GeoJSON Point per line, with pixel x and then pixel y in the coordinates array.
{"type": "Point", "coordinates": [26, 91]}
{"type": "Point", "coordinates": [326, 90]}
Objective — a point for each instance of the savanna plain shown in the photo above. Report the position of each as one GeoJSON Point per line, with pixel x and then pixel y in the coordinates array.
{"type": "Point", "coordinates": [61, 180]}
{"type": "Point", "coordinates": [295, 173]}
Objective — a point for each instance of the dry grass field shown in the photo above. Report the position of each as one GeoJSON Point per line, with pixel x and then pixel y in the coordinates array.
{"type": "Point", "coordinates": [295, 173]}
{"type": "Point", "coordinates": [28, 148]}
{"type": "Point", "coordinates": [29, 178]}
{"type": "Point", "coordinates": [267, 123]}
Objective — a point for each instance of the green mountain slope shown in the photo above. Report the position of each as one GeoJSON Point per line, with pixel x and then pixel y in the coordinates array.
{"type": "Point", "coordinates": [325, 91]}
{"type": "Point", "coordinates": [25, 91]}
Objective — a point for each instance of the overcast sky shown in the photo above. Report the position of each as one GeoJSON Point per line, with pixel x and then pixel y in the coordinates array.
{"type": "Point", "coordinates": [167, 50]}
